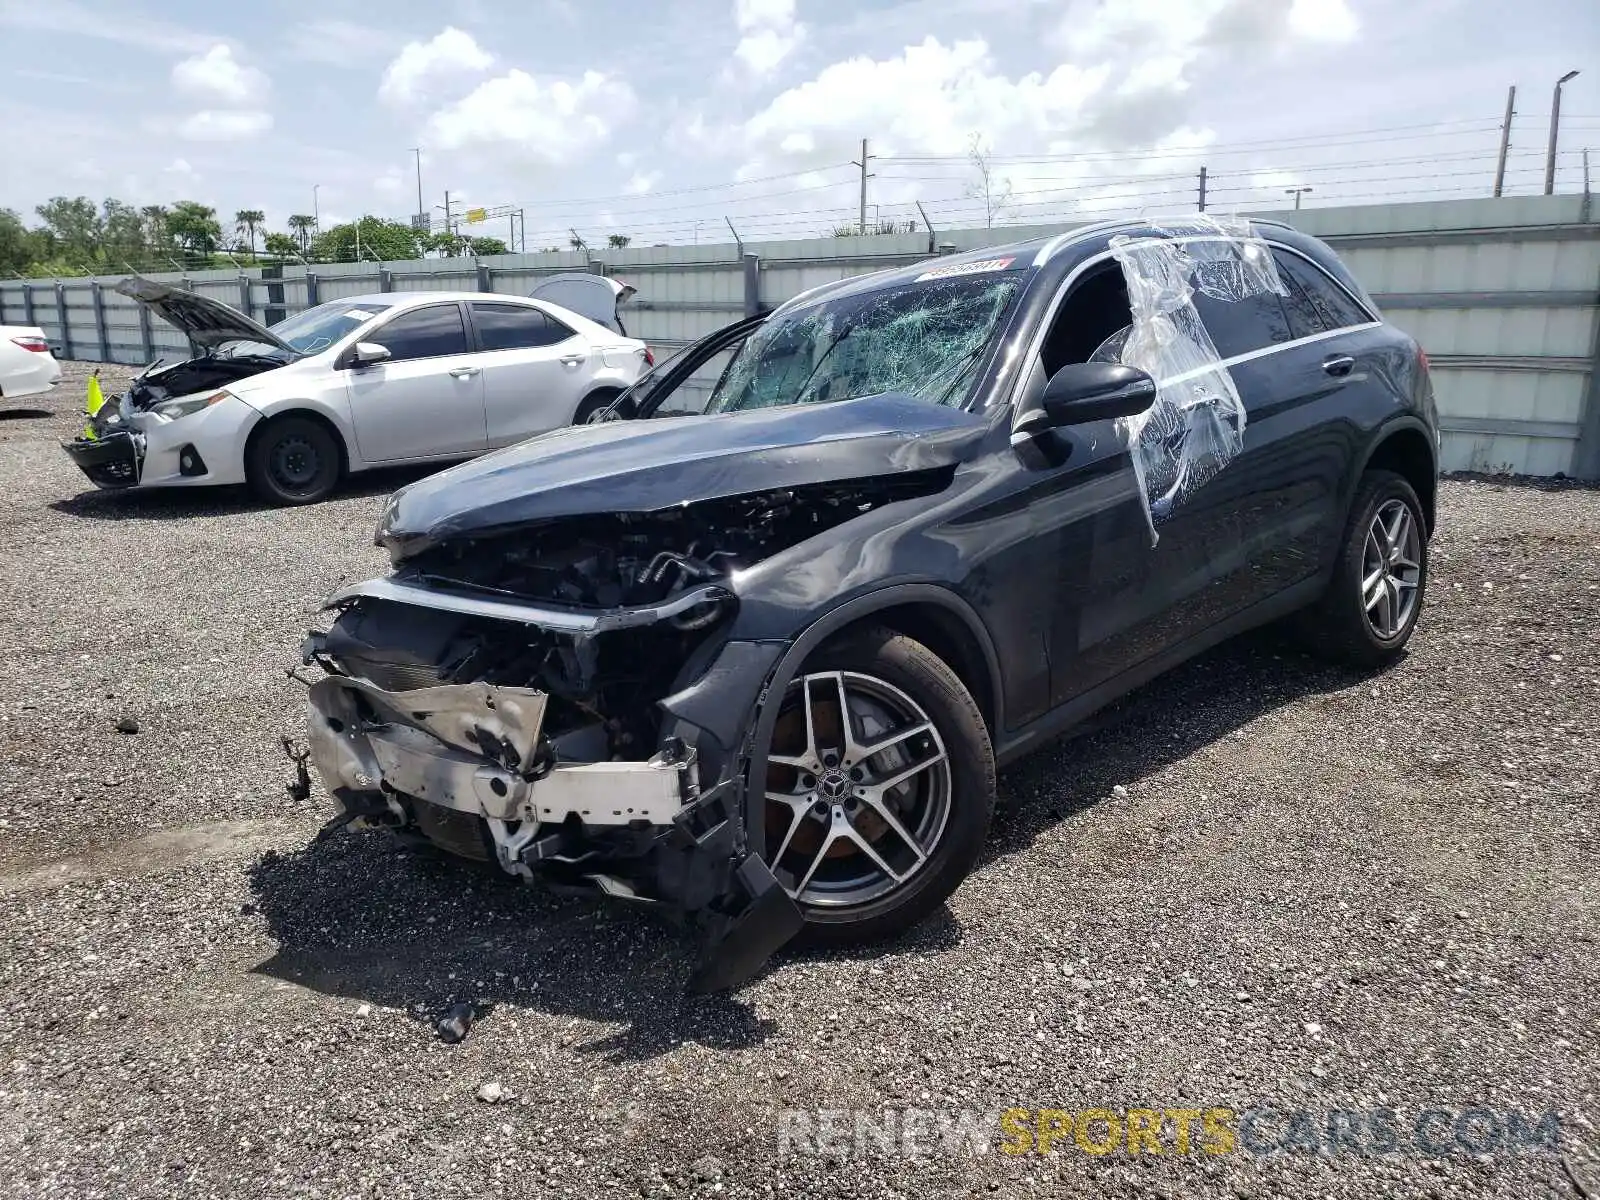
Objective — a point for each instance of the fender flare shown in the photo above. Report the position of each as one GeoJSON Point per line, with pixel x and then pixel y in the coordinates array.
{"type": "Point", "coordinates": [831, 622]}
{"type": "Point", "coordinates": [1394, 425]}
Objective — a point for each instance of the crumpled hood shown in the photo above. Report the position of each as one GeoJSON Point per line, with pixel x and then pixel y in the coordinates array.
{"type": "Point", "coordinates": [207, 323]}
{"type": "Point", "coordinates": [643, 466]}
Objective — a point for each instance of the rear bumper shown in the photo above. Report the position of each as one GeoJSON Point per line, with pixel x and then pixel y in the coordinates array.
{"type": "Point", "coordinates": [30, 378]}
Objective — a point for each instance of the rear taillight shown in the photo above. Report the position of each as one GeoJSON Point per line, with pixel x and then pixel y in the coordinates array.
{"type": "Point", "coordinates": [649, 357]}
{"type": "Point", "coordinates": [28, 342]}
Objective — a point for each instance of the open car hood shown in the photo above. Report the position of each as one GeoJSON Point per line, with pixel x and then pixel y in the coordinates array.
{"type": "Point", "coordinates": [647, 465]}
{"type": "Point", "coordinates": [207, 323]}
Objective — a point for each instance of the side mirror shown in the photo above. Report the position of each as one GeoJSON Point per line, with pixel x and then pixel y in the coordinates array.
{"type": "Point", "coordinates": [367, 354]}
{"type": "Point", "coordinates": [1082, 392]}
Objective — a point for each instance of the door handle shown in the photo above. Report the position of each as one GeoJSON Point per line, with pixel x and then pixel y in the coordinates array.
{"type": "Point", "coordinates": [1339, 364]}
{"type": "Point", "coordinates": [572, 360]}
{"type": "Point", "coordinates": [463, 372]}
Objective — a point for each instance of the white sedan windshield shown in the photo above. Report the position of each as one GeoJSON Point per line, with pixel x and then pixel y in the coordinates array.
{"type": "Point", "coordinates": [317, 328]}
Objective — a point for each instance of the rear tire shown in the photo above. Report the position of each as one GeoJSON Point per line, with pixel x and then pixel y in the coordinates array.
{"type": "Point", "coordinates": [293, 460]}
{"type": "Point", "coordinates": [592, 406]}
{"type": "Point", "coordinates": [893, 686]}
{"type": "Point", "coordinates": [1370, 609]}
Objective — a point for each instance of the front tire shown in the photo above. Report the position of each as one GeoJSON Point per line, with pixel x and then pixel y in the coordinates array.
{"type": "Point", "coordinates": [871, 824]}
{"type": "Point", "coordinates": [293, 460]}
{"type": "Point", "coordinates": [1370, 609]}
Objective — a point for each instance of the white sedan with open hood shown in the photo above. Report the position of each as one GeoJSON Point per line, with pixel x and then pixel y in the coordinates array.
{"type": "Point", "coordinates": [361, 382]}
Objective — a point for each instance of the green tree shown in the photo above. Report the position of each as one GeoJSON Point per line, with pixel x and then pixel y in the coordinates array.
{"type": "Point", "coordinates": [366, 239]}
{"type": "Point", "coordinates": [72, 227]}
{"type": "Point", "coordinates": [195, 228]}
{"type": "Point", "coordinates": [482, 246]}
{"type": "Point", "coordinates": [280, 245]}
{"type": "Point", "coordinates": [302, 225]}
{"type": "Point", "coordinates": [157, 240]}
{"type": "Point", "coordinates": [19, 245]}
{"type": "Point", "coordinates": [618, 241]}
{"type": "Point", "coordinates": [245, 223]}
{"type": "Point", "coordinates": [123, 242]}
{"type": "Point", "coordinates": [446, 243]}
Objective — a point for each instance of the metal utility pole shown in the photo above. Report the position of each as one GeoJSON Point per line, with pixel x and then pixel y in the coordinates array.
{"type": "Point", "coordinates": [1296, 192]}
{"type": "Point", "coordinates": [316, 213]}
{"type": "Point", "coordinates": [1202, 189]}
{"type": "Point", "coordinates": [865, 159]}
{"type": "Point", "coordinates": [1505, 140]}
{"type": "Point", "coordinates": [1555, 126]}
{"type": "Point", "coordinates": [421, 211]}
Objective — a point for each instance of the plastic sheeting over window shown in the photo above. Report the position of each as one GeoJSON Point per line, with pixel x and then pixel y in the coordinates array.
{"type": "Point", "coordinates": [1196, 425]}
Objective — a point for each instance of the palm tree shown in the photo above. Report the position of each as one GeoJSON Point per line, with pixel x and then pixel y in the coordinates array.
{"type": "Point", "coordinates": [302, 224]}
{"type": "Point", "coordinates": [245, 223]}
{"type": "Point", "coordinates": [618, 241]}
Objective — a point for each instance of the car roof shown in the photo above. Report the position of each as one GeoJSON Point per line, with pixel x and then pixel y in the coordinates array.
{"type": "Point", "coordinates": [414, 297]}
{"type": "Point", "coordinates": [1024, 255]}
{"type": "Point", "coordinates": [394, 299]}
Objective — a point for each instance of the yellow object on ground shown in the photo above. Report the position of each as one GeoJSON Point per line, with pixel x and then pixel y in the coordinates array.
{"type": "Point", "coordinates": [94, 403]}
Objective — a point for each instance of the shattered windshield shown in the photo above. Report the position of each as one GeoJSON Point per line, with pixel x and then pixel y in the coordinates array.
{"type": "Point", "coordinates": [924, 339]}
{"type": "Point", "coordinates": [314, 330]}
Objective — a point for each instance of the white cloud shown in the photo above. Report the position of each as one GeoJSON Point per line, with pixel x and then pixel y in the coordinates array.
{"type": "Point", "coordinates": [1323, 20]}
{"type": "Point", "coordinates": [930, 98]}
{"type": "Point", "coordinates": [217, 76]}
{"type": "Point", "coordinates": [339, 43]}
{"type": "Point", "coordinates": [543, 120]}
{"type": "Point", "coordinates": [224, 125]}
{"type": "Point", "coordinates": [421, 68]}
{"type": "Point", "coordinates": [642, 182]}
{"type": "Point", "coordinates": [768, 33]}
{"type": "Point", "coordinates": [122, 25]}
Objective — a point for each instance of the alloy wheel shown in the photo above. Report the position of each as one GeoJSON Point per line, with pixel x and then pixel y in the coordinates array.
{"type": "Point", "coordinates": [1391, 570]}
{"type": "Point", "coordinates": [858, 789]}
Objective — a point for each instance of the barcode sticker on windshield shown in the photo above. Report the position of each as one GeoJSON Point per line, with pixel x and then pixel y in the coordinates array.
{"type": "Point", "coordinates": [358, 314]}
{"type": "Point", "coordinates": [971, 268]}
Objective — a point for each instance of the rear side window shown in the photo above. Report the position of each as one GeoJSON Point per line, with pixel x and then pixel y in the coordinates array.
{"type": "Point", "coordinates": [424, 333]}
{"type": "Point", "coordinates": [1240, 326]}
{"type": "Point", "coordinates": [516, 327]}
{"type": "Point", "coordinates": [1316, 302]}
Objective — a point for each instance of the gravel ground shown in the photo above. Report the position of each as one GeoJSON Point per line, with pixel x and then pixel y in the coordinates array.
{"type": "Point", "coordinates": [1267, 883]}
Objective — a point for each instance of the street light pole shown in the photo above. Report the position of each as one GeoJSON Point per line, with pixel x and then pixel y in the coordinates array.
{"type": "Point", "coordinates": [1296, 192]}
{"type": "Point", "coordinates": [1555, 126]}
{"type": "Point", "coordinates": [316, 212]}
{"type": "Point", "coordinates": [421, 211]}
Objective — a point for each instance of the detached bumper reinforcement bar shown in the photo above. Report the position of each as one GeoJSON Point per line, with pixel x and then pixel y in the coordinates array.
{"type": "Point", "coordinates": [560, 620]}
{"type": "Point", "coordinates": [471, 748]}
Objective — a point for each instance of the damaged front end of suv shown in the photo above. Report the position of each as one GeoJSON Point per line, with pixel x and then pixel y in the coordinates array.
{"type": "Point", "coordinates": [566, 671]}
{"type": "Point", "coordinates": [563, 673]}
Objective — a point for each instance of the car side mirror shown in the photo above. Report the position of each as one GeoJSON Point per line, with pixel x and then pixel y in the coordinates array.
{"type": "Point", "coordinates": [368, 354]}
{"type": "Point", "coordinates": [1082, 392]}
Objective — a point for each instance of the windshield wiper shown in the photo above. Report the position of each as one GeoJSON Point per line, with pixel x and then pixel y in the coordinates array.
{"type": "Point", "coordinates": [961, 366]}
{"type": "Point", "coordinates": [832, 346]}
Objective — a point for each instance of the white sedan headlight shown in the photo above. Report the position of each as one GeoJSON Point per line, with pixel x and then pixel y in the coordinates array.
{"type": "Point", "coordinates": [173, 409]}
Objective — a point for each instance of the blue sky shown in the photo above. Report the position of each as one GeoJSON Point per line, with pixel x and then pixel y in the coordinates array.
{"type": "Point", "coordinates": [660, 119]}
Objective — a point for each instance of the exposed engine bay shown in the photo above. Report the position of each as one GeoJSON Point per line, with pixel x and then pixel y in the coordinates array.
{"type": "Point", "coordinates": [611, 559]}
{"type": "Point", "coordinates": [203, 374]}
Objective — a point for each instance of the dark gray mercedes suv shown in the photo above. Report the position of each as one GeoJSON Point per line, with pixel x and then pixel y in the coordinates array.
{"type": "Point", "coordinates": [753, 648]}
